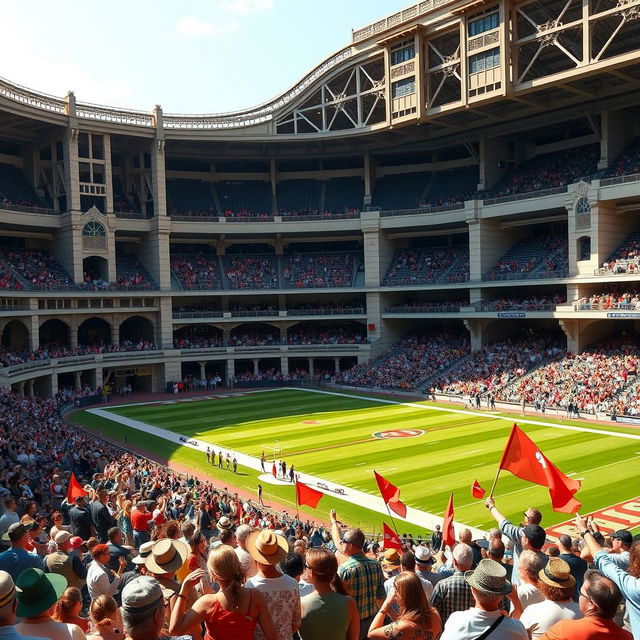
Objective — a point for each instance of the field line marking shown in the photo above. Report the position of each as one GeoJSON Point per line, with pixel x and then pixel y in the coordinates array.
{"type": "Point", "coordinates": [415, 405]}
{"type": "Point", "coordinates": [353, 496]}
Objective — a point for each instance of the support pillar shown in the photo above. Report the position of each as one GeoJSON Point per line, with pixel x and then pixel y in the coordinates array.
{"type": "Point", "coordinates": [336, 360]}
{"type": "Point", "coordinates": [311, 368]}
{"type": "Point", "coordinates": [20, 389]}
{"type": "Point", "coordinates": [97, 374]}
{"type": "Point", "coordinates": [54, 384]}
{"type": "Point", "coordinates": [255, 366]}
{"type": "Point", "coordinates": [230, 372]}
{"type": "Point", "coordinates": [77, 379]}
{"type": "Point", "coordinates": [203, 370]}
{"type": "Point", "coordinates": [29, 388]}
{"type": "Point", "coordinates": [284, 365]}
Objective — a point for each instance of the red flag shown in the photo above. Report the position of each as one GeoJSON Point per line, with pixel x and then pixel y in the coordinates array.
{"type": "Point", "coordinates": [477, 491]}
{"type": "Point", "coordinates": [391, 496]}
{"type": "Point", "coordinates": [448, 533]}
{"type": "Point", "coordinates": [239, 512]}
{"type": "Point", "coordinates": [307, 495]}
{"type": "Point", "coordinates": [274, 470]}
{"type": "Point", "coordinates": [523, 458]}
{"type": "Point", "coordinates": [76, 490]}
{"type": "Point", "coordinates": [391, 539]}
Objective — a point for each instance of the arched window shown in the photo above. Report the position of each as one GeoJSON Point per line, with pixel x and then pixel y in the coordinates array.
{"type": "Point", "coordinates": [583, 206]}
{"type": "Point", "coordinates": [94, 229]}
{"type": "Point", "coordinates": [584, 248]}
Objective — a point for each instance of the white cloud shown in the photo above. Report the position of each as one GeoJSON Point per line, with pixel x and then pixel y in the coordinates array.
{"type": "Point", "coordinates": [247, 7]}
{"type": "Point", "coordinates": [190, 26]}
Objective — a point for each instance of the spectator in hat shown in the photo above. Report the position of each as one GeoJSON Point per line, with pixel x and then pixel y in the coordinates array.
{"type": "Point", "coordinates": [234, 613]}
{"type": "Point", "coordinates": [280, 591]}
{"type": "Point", "coordinates": [246, 561]}
{"type": "Point", "coordinates": [362, 576]}
{"type": "Point", "coordinates": [557, 586]}
{"type": "Point", "coordinates": [577, 565]}
{"type": "Point", "coordinates": [101, 579]}
{"type": "Point", "coordinates": [38, 592]}
{"type": "Point", "coordinates": [67, 565]}
{"type": "Point", "coordinates": [518, 535]}
{"type": "Point", "coordinates": [139, 568]}
{"type": "Point", "coordinates": [8, 605]}
{"type": "Point", "coordinates": [411, 615]}
{"type": "Point", "coordinates": [165, 559]}
{"type": "Point", "coordinates": [81, 524]}
{"type": "Point", "coordinates": [390, 565]}
{"type": "Point", "coordinates": [489, 585]}
{"type": "Point", "coordinates": [424, 564]}
{"type": "Point", "coordinates": [329, 612]}
{"type": "Point", "coordinates": [621, 542]}
{"type": "Point", "coordinates": [599, 601]}
{"type": "Point", "coordinates": [16, 559]}
{"type": "Point", "coordinates": [143, 608]}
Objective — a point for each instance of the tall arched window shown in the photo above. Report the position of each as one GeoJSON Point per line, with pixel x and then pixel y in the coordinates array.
{"type": "Point", "coordinates": [94, 229]}
{"type": "Point", "coordinates": [583, 206]}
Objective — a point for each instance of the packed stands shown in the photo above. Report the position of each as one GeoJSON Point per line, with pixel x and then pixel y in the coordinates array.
{"type": "Point", "coordinates": [626, 258]}
{"type": "Point", "coordinates": [532, 257]}
{"type": "Point", "coordinates": [39, 269]}
{"type": "Point", "coordinates": [250, 196]}
{"type": "Point", "coordinates": [190, 198]}
{"type": "Point", "coordinates": [254, 336]}
{"type": "Point", "coordinates": [428, 266]}
{"type": "Point", "coordinates": [196, 271]}
{"type": "Point", "coordinates": [628, 162]}
{"type": "Point", "coordinates": [327, 333]}
{"type": "Point", "coordinates": [609, 300]}
{"type": "Point", "coordinates": [316, 271]}
{"type": "Point", "coordinates": [491, 368]}
{"type": "Point", "coordinates": [409, 362]}
{"type": "Point", "coordinates": [252, 308]}
{"type": "Point", "coordinates": [132, 274]}
{"type": "Point", "coordinates": [15, 188]}
{"type": "Point", "coordinates": [197, 337]}
{"type": "Point", "coordinates": [423, 306]}
{"type": "Point", "coordinates": [251, 272]}
{"type": "Point", "coordinates": [451, 187]}
{"type": "Point", "coordinates": [325, 308]}
{"type": "Point", "coordinates": [548, 171]}
{"type": "Point", "coordinates": [531, 303]}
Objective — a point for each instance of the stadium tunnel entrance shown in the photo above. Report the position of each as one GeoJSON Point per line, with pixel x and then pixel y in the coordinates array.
{"type": "Point", "coordinates": [15, 336]}
{"type": "Point", "coordinates": [95, 268]}
{"type": "Point", "coordinates": [94, 331]}
{"type": "Point", "coordinates": [54, 332]}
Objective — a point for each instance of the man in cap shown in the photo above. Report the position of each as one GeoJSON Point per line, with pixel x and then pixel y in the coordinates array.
{"type": "Point", "coordinates": [67, 565]}
{"type": "Point", "coordinates": [138, 563]}
{"type": "Point", "coordinates": [362, 576]}
{"type": "Point", "coordinates": [280, 592]}
{"type": "Point", "coordinates": [621, 542]}
{"type": "Point", "coordinates": [517, 535]}
{"type": "Point", "coordinates": [424, 564]}
{"type": "Point", "coordinates": [8, 605]}
{"type": "Point", "coordinates": [16, 559]}
{"type": "Point", "coordinates": [489, 585]}
{"type": "Point", "coordinates": [143, 608]}
{"type": "Point", "coordinates": [37, 593]}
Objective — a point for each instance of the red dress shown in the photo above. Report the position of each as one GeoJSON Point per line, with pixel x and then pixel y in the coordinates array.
{"type": "Point", "coordinates": [230, 625]}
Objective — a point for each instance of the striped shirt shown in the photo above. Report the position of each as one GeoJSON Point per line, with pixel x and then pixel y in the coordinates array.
{"type": "Point", "coordinates": [365, 581]}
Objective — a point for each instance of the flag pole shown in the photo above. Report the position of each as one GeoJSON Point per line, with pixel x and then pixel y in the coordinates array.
{"type": "Point", "coordinates": [495, 482]}
{"type": "Point", "coordinates": [297, 505]}
{"type": "Point", "coordinates": [392, 520]}
{"type": "Point", "coordinates": [504, 453]}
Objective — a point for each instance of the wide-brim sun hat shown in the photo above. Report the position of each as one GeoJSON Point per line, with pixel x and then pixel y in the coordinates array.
{"type": "Point", "coordinates": [38, 591]}
{"type": "Point", "coordinates": [143, 551]}
{"type": "Point", "coordinates": [225, 523]}
{"type": "Point", "coordinates": [557, 573]}
{"type": "Point", "coordinates": [167, 556]}
{"type": "Point", "coordinates": [489, 577]}
{"type": "Point", "coordinates": [266, 547]}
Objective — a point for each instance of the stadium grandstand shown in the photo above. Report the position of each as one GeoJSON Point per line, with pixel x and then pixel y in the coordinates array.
{"type": "Point", "coordinates": [460, 178]}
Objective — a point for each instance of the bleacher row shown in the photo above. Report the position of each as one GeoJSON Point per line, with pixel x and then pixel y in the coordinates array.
{"type": "Point", "coordinates": [530, 258]}
{"type": "Point", "coordinates": [531, 370]}
{"type": "Point", "coordinates": [237, 199]}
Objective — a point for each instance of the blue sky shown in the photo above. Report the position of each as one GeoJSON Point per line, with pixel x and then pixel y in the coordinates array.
{"type": "Point", "coordinates": [189, 56]}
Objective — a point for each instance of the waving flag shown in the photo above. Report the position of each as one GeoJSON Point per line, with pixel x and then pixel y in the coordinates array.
{"type": "Point", "coordinates": [76, 490]}
{"type": "Point", "coordinates": [448, 532]}
{"type": "Point", "coordinates": [391, 496]}
{"type": "Point", "coordinates": [477, 491]}
{"type": "Point", "coordinates": [523, 458]}
{"type": "Point", "coordinates": [391, 539]}
{"type": "Point", "coordinates": [307, 495]}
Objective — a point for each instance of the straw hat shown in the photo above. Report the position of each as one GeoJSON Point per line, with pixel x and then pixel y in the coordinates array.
{"type": "Point", "coordinates": [167, 556]}
{"type": "Point", "coordinates": [144, 551]}
{"type": "Point", "coordinates": [37, 591]}
{"type": "Point", "coordinates": [557, 573]}
{"type": "Point", "coordinates": [489, 577]}
{"type": "Point", "coordinates": [7, 589]}
{"type": "Point", "coordinates": [225, 523]}
{"type": "Point", "coordinates": [266, 547]}
{"type": "Point", "coordinates": [391, 559]}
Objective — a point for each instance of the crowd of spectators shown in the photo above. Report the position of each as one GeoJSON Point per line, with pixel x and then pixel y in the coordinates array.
{"type": "Point", "coordinates": [491, 368]}
{"type": "Point", "coordinates": [532, 303]}
{"type": "Point", "coordinates": [425, 306]}
{"type": "Point", "coordinates": [196, 271]}
{"type": "Point", "coordinates": [549, 171]}
{"type": "Point", "coordinates": [9, 356]}
{"type": "Point", "coordinates": [586, 382]}
{"type": "Point", "coordinates": [316, 271]}
{"type": "Point", "coordinates": [409, 362]}
{"type": "Point", "coordinates": [38, 268]}
{"type": "Point", "coordinates": [546, 254]}
{"type": "Point", "coordinates": [253, 307]}
{"type": "Point", "coordinates": [322, 333]}
{"type": "Point", "coordinates": [346, 306]}
{"type": "Point", "coordinates": [196, 337]}
{"type": "Point", "coordinates": [200, 307]}
{"type": "Point", "coordinates": [626, 259]}
{"type": "Point", "coordinates": [254, 337]}
{"type": "Point", "coordinates": [424, 266]}
{"type": "Point", "coordinates": [628, 162]}
{"type": "Point", "coordinates": [609, 300]}
{"type": "Point", "coordinates": [252, 272]}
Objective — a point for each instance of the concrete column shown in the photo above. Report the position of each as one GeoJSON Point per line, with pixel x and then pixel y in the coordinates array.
{"type": "Point", "coordinates": [369, 179]}
{"type": "Point", "coordinates": [115, 333]}
{"type": "Point", "coordinates": [494, 161]}
{"type": "Point", "coordinates": [311, 367]}
{"type": "Point", "coordinates": [34, 332]}
{"type": "Point", "coordinates": [164, 326]}
{"type": "Point", "coordinates": [70, 142]}
{"type": "Point", "coordinates": [284, 364]}
{"type": "Point", "coordinates": [29, 388]}
{"type": "Point", "coordinates": [203, 370]}
{"type": "Point", "coordinates": [476, 327]}
{"type": "Point", "coordinates": [616, 133]}
{"type": "Point", "coordinates": [488, 242]}
{"type": "Point", "coordinates": [378, 250]}
{"type": "Point", "coordinates": [108, 173]}
{"type": "Point", "coordinates": [337, 364]}
{"type": "Point", "coordinates": [231, 372]}
{"type": "Point", "coordinates": [158, 175]}
{"type": "Point", "coordinates": [77, 379]}
{"type": "Point", "coordinates": [20, 389]}
{"type": "Point", "coordinates": [97, 373]}
{"type": "Point", "coordinates": [54, 384]}
{"type": "Point", "coordinates": [73, 333]}
{"type": "Point", "coordinates": [256, 366]}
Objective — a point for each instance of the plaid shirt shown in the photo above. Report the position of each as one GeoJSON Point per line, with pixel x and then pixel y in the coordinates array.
{"type": "Point", "coordinates": [452, 594]}
{"type": "Point", "coordinates": [365, 581]}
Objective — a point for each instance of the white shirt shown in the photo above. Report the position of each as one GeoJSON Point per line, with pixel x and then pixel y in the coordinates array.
{"type": "Point", "coordinates": [51, 629]}
{"type": "Point", "coordinates": [546, 613]}
{"type": "Point", "coordinates": [247, 563]}
{"type": "Point", "coordinates": [390, 586]}
{"type": "Point", "coordinates": [283, 602]}
{"type": "Point", "coordinates": [529, 594]}
{"type": "Point", "coordinates": [469, 624]}
{"type": "Point", "coordinates": [98, 581]}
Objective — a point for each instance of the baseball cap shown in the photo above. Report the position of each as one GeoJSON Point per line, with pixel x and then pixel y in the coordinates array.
{"type": "Point", "coordinates": [62, 537]}
{"type": "Point", "coordinates": [16, 531]}
{"type": "Point", "coordinates": [422, 554]}
{"type": "Point", "coordinates": [624, 536]}
{"type": "Point", "coordinates": [143, 593]}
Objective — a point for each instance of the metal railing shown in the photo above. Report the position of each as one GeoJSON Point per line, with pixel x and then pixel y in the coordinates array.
{"type": "Point", "coordinates": [530, 275]}
{"type": "Point", "coordinates": [525, 196]}
{"type": "Point", "coordinates": [493, 306]}
{"type": "Point", "coordinates": [441, 308]}
{"type": "Point", "coordinates": [633, 177]}
{"type": "Point", "coordinates": [187, 315]}
{"type": "Point", "coordinates": [20, 208]}
{"type": "Point", "coordinates": [421, 210]}
{"type": "Point", "coordinates": [326, 312]}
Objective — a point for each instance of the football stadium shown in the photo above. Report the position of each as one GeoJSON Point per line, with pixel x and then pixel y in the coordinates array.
{"type": "Point", "coordinates": [402, 297]}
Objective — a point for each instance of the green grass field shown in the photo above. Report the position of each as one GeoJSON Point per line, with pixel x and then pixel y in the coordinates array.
{"type": "Point", "coordinates": [455, 449]}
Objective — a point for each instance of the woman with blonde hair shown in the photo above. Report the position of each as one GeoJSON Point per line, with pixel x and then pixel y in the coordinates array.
{"type": "Point", "coordinates": [412, 617]}
{"type": "Point", "coordinates": [68, 608]}
{"type": "Point", "coordinates": [329, 613]}
{"type": "Point", "coordinates": [105, 619]}
{"type": "Point", "coordinates": [230, 614]}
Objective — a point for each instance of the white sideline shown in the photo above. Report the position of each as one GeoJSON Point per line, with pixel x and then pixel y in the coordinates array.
{"type": "Point", "coordinates": [373, 503]}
